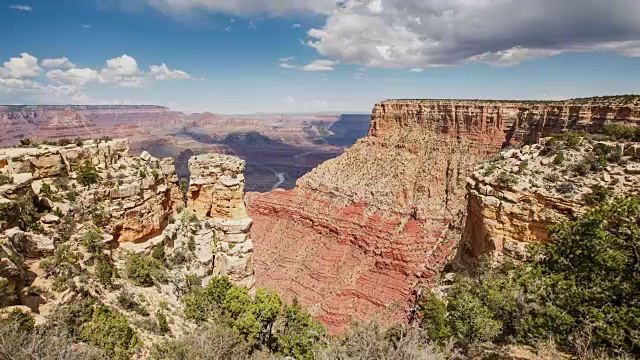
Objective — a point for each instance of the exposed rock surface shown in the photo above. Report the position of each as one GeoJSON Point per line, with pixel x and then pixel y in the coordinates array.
{"type": "Point", "coordinates": [516, 197]}
{"type": "Point", "coordinates": [360, 233]}
{"type": "Point", "coordinates": [135, 196]}
{"type": "Point", "coordinates": [216, 193]}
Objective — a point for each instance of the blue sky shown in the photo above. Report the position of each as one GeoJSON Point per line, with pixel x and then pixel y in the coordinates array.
{"type": "Point", "coordinates": [245, 56]}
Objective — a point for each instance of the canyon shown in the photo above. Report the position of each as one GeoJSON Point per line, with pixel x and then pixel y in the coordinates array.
{"type": "Point", "coordinates": [271, 144]}
{"type": "Point", "coordinates": [362, 234]}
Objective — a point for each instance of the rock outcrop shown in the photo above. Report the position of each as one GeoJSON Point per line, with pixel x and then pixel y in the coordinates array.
{"type": "Point", "coordinates": [361, 233]}
{"type": "Point", "coordinates": [133, 196]}
{"type": "Point", "coordinates": [216, 193]}
{"type": "Point", "coordinates": [516, 197]}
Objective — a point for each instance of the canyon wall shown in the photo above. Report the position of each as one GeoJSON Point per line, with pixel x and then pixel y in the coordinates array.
{"type": "Point", "coordinates": [361, 233]}
{"type": "Point", "coordinates": [515, 198]}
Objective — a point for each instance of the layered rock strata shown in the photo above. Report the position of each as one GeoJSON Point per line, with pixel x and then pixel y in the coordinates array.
{"type": "Point", "coordinates": [132, 196]}
{"type": "Point", "coordinates": [215, 195]}
{"type": "Point", "coordinates": [514, 199]}
{"type": "Point", "coordinates": [361, 233]}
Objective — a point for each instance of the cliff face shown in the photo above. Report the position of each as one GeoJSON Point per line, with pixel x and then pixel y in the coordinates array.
{"type": "Point", "coordinates": [216, 194]}
{"type": "Point", "coordinates": [362, 232]}
{"type": "Point", "coordinates": [134, 196]}
{"type": "Point", "coordinates": [515, 198]}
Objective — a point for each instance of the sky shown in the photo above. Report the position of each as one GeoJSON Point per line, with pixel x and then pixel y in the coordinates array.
{"type": "Point", "coordinates": [248, 56]}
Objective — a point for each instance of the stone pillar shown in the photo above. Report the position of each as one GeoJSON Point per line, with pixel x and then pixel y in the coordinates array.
{"type": "Point", "coordinates": [216, 195]}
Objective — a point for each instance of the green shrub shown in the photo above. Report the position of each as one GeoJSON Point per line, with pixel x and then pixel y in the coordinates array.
{"type": "Point", "coordinates": [212, 341]}
{"type": "Point", "coordinates": [8, 293]}
{"type": "Point", "coordinates": [87, 174]}
{"type": "Point", "coordinates": [111, 333]}
{"type": "Point", "coordinates": [297, 333]}
{"type": "Point", "coordinates": [434, 322]}
{"type": "Point", "coordinates": [489, 169]}
{"type": "Point", "coordinates": [128, 301]}
{"type": "Point", "coordinates": [104, 273]}
{"type": "Point", "coordinates": [559, 158]}
{"type": "Point", "coordinates": [598, 194]}
{"type": "Point", "coordinates": [92, 241]}
{"type": "Point", "coordinates": [158, 253]}
{"type": "Point", "coordinates": [505, 179]}
{"type": "Point", "coordinates": [64, 142]}
{"type": "Point", "coordinates": [622, 132]}
{"type": "Point", "coordinates": [5, 180]}
{"type": "Point", "coordinates": [203, 303]}
{"type": "Point", "coordinates": [142, 174]}
{"type": "Point", "coordinates": [64, 263]}
{"type": "Point", "coordinates": [163, 325]}
{"type": "Point", "coordinates": [23, 321]}
{"type": "Point", "coordinates": [99, 216]}
{"type": "Point", "coordinates": [144, 271]}
{"type": "Point", "coordinates": [566, 188]}
{"type": "Point", "coordinates": [24, 212]}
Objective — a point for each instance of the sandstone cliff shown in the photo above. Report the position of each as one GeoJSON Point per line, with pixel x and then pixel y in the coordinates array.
{"type": "Point", "coordinates": [360, 233]}
{"type": "Point", "coordinates": [514, 198]}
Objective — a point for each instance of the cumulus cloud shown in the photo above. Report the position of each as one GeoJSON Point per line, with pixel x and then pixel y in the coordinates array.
{"type": "Point", "coordinates": [321, 65]}
{"type": "Point", "coordinates": [427, 33]}
{"type": "Point", "coordinates": [296, 26]}
{"type": "Point", "coordinates": [65, 82]}
{"type": "Point", "coordinates": [162, 72]}
{"type": "Point", "coordinates": [287, 66]}
{"type": "Point", "coordinates": [59, 63]}
{"type": "Point", "coordinates": [21, 7]}
{"type": "Point", "coordinates": [245, 7]}
{"type": "Point", "coordinates": [77, 77]}
{"type": "Point", "coordinates": [25, 66]}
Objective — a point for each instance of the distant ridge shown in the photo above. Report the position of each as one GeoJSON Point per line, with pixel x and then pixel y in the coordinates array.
{"type": "Point", "coordinates": [79, 107]}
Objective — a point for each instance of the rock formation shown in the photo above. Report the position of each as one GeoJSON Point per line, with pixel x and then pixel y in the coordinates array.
{"type": "Point", "coordinates": [216, 192]}
{"type": "Point", "coordinates": [134, 195]}
{"type": "Point", "coordinates": [514, 198]}
{"type": "Point", "coordinates": [361, 233]}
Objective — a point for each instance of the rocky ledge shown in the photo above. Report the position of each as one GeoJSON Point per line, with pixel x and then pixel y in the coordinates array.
{"type": "Point", "coordinates": [516, 196]}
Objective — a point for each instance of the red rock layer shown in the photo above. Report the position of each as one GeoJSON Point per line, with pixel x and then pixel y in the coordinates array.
{"type": "Point", "coordinates": [362, 232]}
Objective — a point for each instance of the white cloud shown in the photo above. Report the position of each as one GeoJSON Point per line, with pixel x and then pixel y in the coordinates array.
{"type": "Point", "coordinates": [428, 33]}
{"type": "Point", "coordinates": [21, 7]}
{"type": "Point", "coordinates": [245, 7]}
{"type": "Point", "coordinates": [59, 63]}
{"type": "Point", "coordinates": [86, 26]}
{"type": "Point", "coordinates": [66, 83]}
{"type": "Point", "coordinates": [122, 71]}
{"type": "Point", "coordinates": [320, 65]}
{"type": "Point", "coordinates": [287, 66]}
{"type": "Point", "coordinates": [77, 77]}
{"type": "Point", "coordinates": [162, 72]}
{"type": "Point", "coordinates": [416, 70]}
{"type": "Point", "coordinates": [286, 59]}
{"type": "Point", "coordinates": [25, 66]}
{"type": "Point", "coordinates": [296, 26]}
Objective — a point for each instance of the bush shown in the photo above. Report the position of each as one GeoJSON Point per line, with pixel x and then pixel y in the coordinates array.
{"type": "Point", "coordinates": [99, 216]}
{"type": "Point", "coordinates": [163, 325]}
{"type": "Point", "coordinates": [104, 273]}
{"type": "Point", "coordinates": [213, 341]}
{"type": "Point", "coordinates": [559, 159]}
{"type": "Point", "coordinates": [92, 241]}
{"type": "Point", "coordinates": [64, 263]}
{"type": "Point", "coordinates": [111, 333]}
{"type": "Point", "coordinates": [8, 293]}
{"type": "Point", "coordinates": [144, 271]}
{"type": "Point", "coordinates": [25, 212]}
{"type": "Point", "coordinates": [505, 179]}
{"type": "Point", "coordinates": [566, 188]}
{"type": "Point", "coordinates": [598, 194]}
{"type": "Point", "coordinates": [158, 253]}
{"type": "Point", "coordinates": [5, 180]}
{"type": "Point", "coordinates": [87, 174]}
{"type": "Point", "coordinates": [128, 301]}
{"type": "Point", "coordinates": [622, 132]}
{"type": "Point", "coordinates": [23, 321]}
{"type": "Point", "coordinates": [434, 322]}
{"type": "Point", "coordinates": [203, 303]}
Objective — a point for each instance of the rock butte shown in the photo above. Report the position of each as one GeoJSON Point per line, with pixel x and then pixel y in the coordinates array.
{"type": "Point", "coordinates": [138, 196]}
{"type": "Point", "coordinates": [361, 233]}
